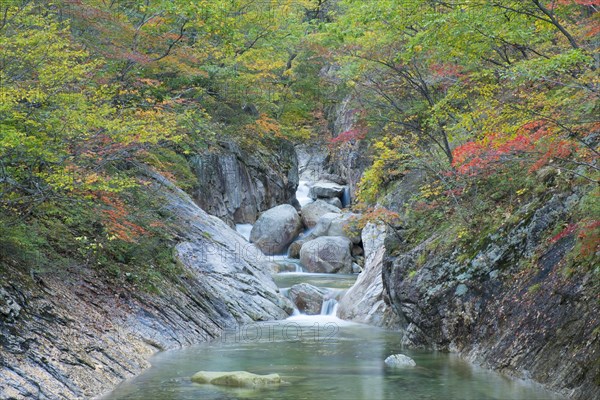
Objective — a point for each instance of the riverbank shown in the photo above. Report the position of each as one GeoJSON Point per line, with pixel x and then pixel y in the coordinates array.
{"type": "Point", "coordinates": [74, 334]}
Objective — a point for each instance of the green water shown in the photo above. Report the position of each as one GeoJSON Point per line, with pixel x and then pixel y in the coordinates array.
{"type": "Point", "coordinates": [334, 281]}
{"type": "Point", "coordinates": [320, 357]}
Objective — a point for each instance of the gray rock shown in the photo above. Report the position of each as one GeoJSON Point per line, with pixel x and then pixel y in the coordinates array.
{"type": "Point", "coordinates": [236, 185]}
{"type": "Point", "coordinates": [400, 361]}
{"type": "Point", "coordinates": [307, 298]}
{"type": "Point", "coordinates": [275, 229]}
{"type": "Point", "coordinates": [236, 379]}
{"type": "Point", "coordinates": [326, 190]}
{"type": "Point", "coordinates": [313, 211]}
{"type": "Point", "coordinates": [335, 224]}
{"type": "Point", "coordinates": [89, 334]}
{"type": "Point", "coordinates": [329, 254]}
{"type": "Point", "coordinates": [294, 249]}
{"type": "Point", "coordinates": [356, 269]}
{"type": "Point", "coordinates": [335, 201]}
{"type": "Point", "coordinates": [366, 301]}
{"type": "Point", "coordinates": [9, 308]}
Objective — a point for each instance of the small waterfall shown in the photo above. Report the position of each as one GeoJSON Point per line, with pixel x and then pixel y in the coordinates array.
{"type": "Point", "coordinates": [329, 307]}
{"type": "Point", "coordinates": [244, 230]}
{"type": "Point", "coordinates": [346, 197]}
{"type": "Point", "coordinates": [302, 193]}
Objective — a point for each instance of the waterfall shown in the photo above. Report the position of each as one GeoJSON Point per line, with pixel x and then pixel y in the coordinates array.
{"type": "Point", "coordinates": [329, 307]}
{"type": "Point", "coordinates": [346, 197]}
{"type": "Point", "coordinates": [302, 193]}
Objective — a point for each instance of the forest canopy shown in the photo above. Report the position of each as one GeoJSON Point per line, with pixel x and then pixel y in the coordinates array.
{"type": "Point", "coordinates": [485, 96]}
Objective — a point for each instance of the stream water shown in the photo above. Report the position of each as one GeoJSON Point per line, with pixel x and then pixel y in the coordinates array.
{"type": "Point", "coordinates": [319, 357]}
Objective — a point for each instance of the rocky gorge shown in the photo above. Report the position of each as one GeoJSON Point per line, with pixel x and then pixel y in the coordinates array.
{"type": "Point", "coordinates": [79, 337]}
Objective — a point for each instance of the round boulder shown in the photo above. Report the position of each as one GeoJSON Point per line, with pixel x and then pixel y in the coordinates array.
{"type": "Point", "coordinates": [315, 210]}
{"type": "Point", "coordinates": [328, 254]}
{"type": "Point", "coordinates": [275, 229]}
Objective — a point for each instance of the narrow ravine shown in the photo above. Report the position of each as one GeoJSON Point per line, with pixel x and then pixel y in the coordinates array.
{"type": "Point", "coordinates": [319, 356]}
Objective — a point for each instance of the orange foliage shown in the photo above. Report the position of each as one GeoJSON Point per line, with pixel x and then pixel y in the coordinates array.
{"type": "Point", "coordinates": [115, 219]}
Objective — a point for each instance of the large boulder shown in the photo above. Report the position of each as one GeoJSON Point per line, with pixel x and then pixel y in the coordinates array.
{"type": "Point", "coordinates": [367, 301]}
{"type": "Point", "coordinates": [328, 254]}
{"type": "Point", "coordinates": [236, 379]}
{"type": "Point", "coordinates": [315, 210]}
{"type": "Point", "coordinates": [307, 298]}
{"type": "Point", "coordinates": [275, 229]}
{"type": "Point", "coordinates": [336, 224]}
{"type": "Point", "coordinates": [326, 190]}
{"type": "Point", "coordinates": [400, 361]}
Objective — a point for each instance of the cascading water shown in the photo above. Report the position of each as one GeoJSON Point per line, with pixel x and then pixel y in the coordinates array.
{"type": "Point", "coordinates": [244, 230]}
{"type": "Point", "coordinates": [302, 193]}
{"type": "Point", "coordinates": [329, 307]}
{"type": "Point", "coordinates": [346, 197]}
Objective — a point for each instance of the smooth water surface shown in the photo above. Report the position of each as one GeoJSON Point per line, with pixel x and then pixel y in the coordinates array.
{"type": "Point", "coordinates": [319, 357]}
{"type": "Point", "coordinates": [336, 281]}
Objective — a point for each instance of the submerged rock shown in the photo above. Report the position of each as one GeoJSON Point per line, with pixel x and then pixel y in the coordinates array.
{"type": "Point", "coordinates": [235, 379]}
{"type": "Point", "coordinates": [313, 211]}
{"type": "Point", "coordinates": [307, 298]}
{"type": "Point", "coordinates": [400, 361]}
{"type": "Point", "coordinates": [328, 254]}
{"type": "Point", "coordinates": [275, 229]}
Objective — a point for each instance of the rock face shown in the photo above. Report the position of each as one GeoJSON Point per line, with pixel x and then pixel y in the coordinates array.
{"type": "Point", "coordinates": [307, 298]}
{"type": "Point", "coordinates": [400, 361]}
{"type": "Point", "coordinates": [77, 335]}
{"type": "Point", "coordinates": [366, 301]}
{"type": "Point", "coordinates": [528, 321]}
{"type": "Point", "coordinates": [275, 229]}
{"type": "Point", "coordinates": [236, 379]}
{"type": "Point", "coordinates": [326, 190]}
{"type": "Point", "coordinates": [327, 254]}
{"type": "Point", "coordinates": [351, 159]}
{"type": "Point", "coordinates": [236, 185]}
{"type": "Point", "coordinates": [313, 211]}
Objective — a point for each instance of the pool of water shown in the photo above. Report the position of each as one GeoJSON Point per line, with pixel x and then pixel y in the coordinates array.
{"type": "Point", "coordinates": [336, 281]}
{"type": "Point", "coordinates": [320, 357]}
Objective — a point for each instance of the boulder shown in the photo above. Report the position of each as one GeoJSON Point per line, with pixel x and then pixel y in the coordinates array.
{"type": "Point", "coordinates": [307, 298]}
{"type": "Point", "coordinates": [336, 224]}
{"type": "Point", "coordinates": [326, 190]}
{"type": "Point", "coordinates": [335, 201]}
{"type": "Point", "coordinates": [275, 229]}
{"type": "Point", "coordinates": [236, 379]}
{"type": "Point", "coordinates": [313, 211]}
{"type": "Point", "coordinates": [294, 249]}
{"type": "Point", "coordinates": [400, 361]}
{"type": "Point", "coordinates": [357, 251]}
{"type": "Point", "coordinates": [367, 301]}
{"type": "Point", "coordinates": [328, 254]}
